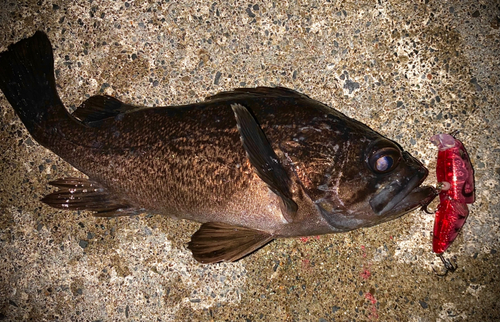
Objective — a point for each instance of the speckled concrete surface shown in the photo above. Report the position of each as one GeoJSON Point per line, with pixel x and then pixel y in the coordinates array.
{"type": "Point", "coordinates": [407, 69]}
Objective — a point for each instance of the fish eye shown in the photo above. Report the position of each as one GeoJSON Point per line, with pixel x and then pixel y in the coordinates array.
{"type": "Point", "coordinates": [384, 160]}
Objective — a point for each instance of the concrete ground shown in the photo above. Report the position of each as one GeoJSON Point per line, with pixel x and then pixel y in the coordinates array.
{"type": "Point", "coordinates": [409, 69]}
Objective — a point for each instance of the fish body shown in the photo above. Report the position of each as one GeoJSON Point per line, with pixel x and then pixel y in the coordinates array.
{"type": "Point", "coordinates": [252, 165]}
{"type": "Point", "coordinates": [455, 174]}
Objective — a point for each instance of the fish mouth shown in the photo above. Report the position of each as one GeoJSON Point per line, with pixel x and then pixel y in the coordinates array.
{"type": "Point", "coordinates": [404, 193]}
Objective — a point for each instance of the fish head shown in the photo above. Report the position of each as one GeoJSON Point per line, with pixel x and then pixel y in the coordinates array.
{"type": "Point", "coordinates": [377, 183]}
{"type": "Point", "coordinates": [354, 176]}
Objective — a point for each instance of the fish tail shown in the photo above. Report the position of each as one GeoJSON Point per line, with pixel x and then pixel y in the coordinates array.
{"type": "Point", "coordinates": [27, 81]}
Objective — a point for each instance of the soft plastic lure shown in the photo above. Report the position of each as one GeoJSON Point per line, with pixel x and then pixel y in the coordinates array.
{"type": "Point", "coordinates": [456, 182]}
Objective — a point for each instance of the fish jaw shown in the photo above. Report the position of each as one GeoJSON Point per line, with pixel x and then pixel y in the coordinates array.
{"type": "Point", "coordinates": [404, 193]}
{"type": "Point", "coordinates": [418, 197]}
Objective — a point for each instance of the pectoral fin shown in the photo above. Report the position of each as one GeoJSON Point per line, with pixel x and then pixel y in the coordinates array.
{"type": "Point", "coordinates": [85, 194]}
{"type": "Point", "coordinates": [264, 159]}
{"type": "Point", "coordinates": [215, 242]}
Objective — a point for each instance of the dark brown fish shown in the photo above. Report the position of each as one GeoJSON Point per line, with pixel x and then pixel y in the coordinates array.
{"type": "Point", "coordinates": [252, 165]}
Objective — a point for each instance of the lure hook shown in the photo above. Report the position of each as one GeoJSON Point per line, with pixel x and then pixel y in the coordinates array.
{"type": "Point", "coordinates": [427, 211]}
{"type": "Point", "coordinates": [448, 265]}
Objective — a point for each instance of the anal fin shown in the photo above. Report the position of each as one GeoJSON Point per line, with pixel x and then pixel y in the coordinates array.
{"type": "Point", "coordinates": [215, 242]}
{"type": "Point", "coordinates": [85, 194]}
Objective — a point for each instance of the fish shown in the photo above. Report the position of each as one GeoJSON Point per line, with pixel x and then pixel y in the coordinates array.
{"type": "Point", "coordinates": [251, 165]}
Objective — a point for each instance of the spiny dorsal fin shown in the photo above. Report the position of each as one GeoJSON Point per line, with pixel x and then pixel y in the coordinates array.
{"type": "Point", "coordinates": [100, 107]}
{"type": "Point", "coordinates": [85, 194]}
{"type": "Point", "coordinates": [264, 159]}
{"type": "Point", "coordinates": [215, 242]}
{"type": "Point", "coordinates": [257, 91]}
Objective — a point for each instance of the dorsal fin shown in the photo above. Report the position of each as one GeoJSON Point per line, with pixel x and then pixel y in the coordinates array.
{"type": "Point", "coordinates": [264, 159]}
{"type": "Point", "coordinates": [100, 107]}
{"type": "Point", "coordinates": [258, 91]}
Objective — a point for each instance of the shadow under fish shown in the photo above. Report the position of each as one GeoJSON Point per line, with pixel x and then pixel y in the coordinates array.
{"type": "Point", "coordinates": [252, 165]}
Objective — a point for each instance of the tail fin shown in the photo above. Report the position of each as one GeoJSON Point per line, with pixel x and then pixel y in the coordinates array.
{"type": "Point", "coordinates": [27, 81]}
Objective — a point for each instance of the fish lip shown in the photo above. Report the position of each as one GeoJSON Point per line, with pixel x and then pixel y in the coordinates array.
{"type": "Point", "coordinates": [404, 194]}
{"type": "Point", "coordinates": [420, 196]}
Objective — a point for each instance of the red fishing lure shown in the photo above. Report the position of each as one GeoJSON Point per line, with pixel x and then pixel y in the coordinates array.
{"type": "Point", "coordinates": [456, 179]}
